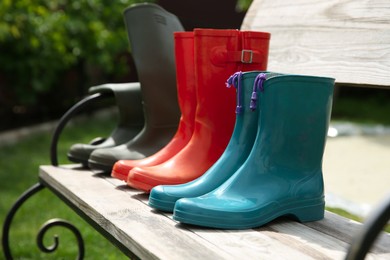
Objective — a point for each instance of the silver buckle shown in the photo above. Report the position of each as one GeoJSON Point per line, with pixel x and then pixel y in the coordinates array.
{"type": "Point", "coordinates": [243, 56]}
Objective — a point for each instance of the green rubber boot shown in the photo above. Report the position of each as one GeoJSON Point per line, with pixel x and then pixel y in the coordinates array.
{"type": "Point", "coordinates": [164, 197]}
{"type": "Point", "coordinates": [282, 175]}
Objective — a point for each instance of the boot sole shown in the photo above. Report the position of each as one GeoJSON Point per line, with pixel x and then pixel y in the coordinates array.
{"type": "Point", "coordinates": [98, 166]}
{"type": "Point", "coordinates": [310, 210]}
{"type": "Point", "coordinates": [78, 160]}
{"type": "Point", "coordinates": [162, 205]}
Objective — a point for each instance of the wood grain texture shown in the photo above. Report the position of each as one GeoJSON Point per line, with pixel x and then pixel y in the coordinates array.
{"type": "Point", "coordinates": [147, 234]}
{"type": "Point", "coordinates": [348, 39]}
{"type": "Point", "coordinates": [123, 212]}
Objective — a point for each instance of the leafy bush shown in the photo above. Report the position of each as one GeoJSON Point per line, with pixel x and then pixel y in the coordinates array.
{"type": "Point", "coordinates": [41, 39]}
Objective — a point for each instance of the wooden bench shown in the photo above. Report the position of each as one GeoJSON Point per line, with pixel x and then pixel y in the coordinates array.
{"type": "Point", "coordinates": [345, 39]}
{"type": "Point", "coordinates": [348, 40]}
{"type": "Point", "coordinates": [123, 216]}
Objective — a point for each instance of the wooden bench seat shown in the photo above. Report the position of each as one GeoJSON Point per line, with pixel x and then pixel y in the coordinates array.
{"type": "Point", "coordinates": [123, 216]}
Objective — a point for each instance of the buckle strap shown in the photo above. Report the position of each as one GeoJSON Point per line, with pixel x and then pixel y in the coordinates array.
{"type": "Point", "coordinates": [221, 56]}
{"type": "Point", "coordinates": [244, 56]}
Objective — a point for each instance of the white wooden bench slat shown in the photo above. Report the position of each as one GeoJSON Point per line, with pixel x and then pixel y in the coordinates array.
{"type": "Point", "coordinates": [130, 221]}
{"type": "Point", "coordinates": [330, 225]}
{"type": "Point", "coordinates": [347, 40]}
{"type": "Point", "coordinates": [150, 234]}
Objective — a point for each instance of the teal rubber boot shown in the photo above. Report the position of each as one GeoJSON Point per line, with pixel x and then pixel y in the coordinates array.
{"type": "Point", "coordinates": [163, 197]}
{"type": "Point", "coordinates": [282, 175]}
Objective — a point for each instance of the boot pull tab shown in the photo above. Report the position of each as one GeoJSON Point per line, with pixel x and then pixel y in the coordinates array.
{"type": "Point", "coordinates": [235, 80]}
{"type": "Point", "coordinates": [258, 84]}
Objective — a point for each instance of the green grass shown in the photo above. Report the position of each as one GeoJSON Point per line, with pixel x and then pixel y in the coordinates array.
{"type": "Point", "coordinates": [19, 171]}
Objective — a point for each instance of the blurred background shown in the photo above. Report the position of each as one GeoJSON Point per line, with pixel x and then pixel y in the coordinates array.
{"type": "Point", "coordinates": [52, 51]}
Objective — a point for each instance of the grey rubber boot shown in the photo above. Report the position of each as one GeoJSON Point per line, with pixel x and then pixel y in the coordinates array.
{"type": "Point", "coordinates": [131, 120]}
{"type": "Point", "coordinates": [150, 29]}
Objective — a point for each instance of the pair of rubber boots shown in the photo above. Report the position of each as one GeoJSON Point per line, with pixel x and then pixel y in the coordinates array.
{"type": "Point", "coordinates": [149, 111]}
{"type": "Point", "coordinates": [204, 59]}
{"type": "Point", "coordinates": [272, 165]}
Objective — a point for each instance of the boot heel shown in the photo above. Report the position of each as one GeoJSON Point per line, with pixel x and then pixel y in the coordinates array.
{"type": "Point", "coordinates": [308, 213]}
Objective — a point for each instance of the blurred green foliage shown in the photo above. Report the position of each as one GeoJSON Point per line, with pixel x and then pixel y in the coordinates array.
{"type": "Point", "coordinates": [243, 5]}
{"type": "Point", "coordinates": [41, 39]}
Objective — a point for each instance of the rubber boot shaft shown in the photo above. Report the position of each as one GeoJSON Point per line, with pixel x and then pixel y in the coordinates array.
{"type": "Point", "coordinates": [218, 54]}
{"type": "Point", "coordinates": [163, 197]}
{"type": "Point", "coordinates": [283, 172]}
{"type": "Point", "coordinates": [150, 29]}
{"type": "Point", "coordinates": [184, 57]}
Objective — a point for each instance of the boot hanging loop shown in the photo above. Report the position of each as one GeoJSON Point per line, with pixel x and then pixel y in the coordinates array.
{"type": "Point", "coordinates": [258, 84]}
{"type": "Point", "coordinates": [235, 80]}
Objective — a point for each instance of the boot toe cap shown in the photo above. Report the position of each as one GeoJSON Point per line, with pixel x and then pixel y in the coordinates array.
{"type": "Point", "coordinates": [120, 170]}
{"type": "Point", "coordinates": [161, 199]}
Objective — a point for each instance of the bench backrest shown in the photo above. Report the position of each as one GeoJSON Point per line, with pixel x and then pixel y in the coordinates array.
{"type": "Point", "coordinates": [345, 39]}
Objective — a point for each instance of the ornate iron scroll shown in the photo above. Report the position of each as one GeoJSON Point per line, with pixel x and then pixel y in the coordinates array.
{"type": "Point", "coordinates": [49, 224]}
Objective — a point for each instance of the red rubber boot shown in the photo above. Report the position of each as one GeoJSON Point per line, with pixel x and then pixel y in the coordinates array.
{"type": "Point", "coordinates": [184, 58]}
{"type": "Point", "coordinates": [217, 55]}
